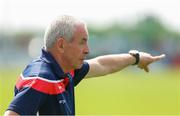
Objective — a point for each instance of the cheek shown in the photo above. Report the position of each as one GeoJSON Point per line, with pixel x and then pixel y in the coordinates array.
{"type": "Point", "coordinates": [76, 51]}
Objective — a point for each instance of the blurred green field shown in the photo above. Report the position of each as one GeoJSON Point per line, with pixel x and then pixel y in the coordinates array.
{"type": "Point", "coordinates": [122, 93]}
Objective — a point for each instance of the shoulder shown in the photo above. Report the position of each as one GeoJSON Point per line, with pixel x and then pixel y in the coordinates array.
{"type": "Point", "coordinates": [84, 69]}
{"type": "Point", "coordinates": [81, 73]}
{"type": "Point", "coordinates": [39, 76]}
{"type": "Point", "coordinates": [39, 68]}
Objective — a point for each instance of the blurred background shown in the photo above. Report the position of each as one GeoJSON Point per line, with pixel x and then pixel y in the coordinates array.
{"type": "Point", "coordinates": [115, 26]}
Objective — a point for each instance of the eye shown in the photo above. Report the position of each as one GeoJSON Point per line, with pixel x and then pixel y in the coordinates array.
{"type": "Point", "coordinates": [83, 41]}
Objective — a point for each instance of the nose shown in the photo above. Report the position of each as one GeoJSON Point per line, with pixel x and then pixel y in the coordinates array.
{"type": "Point", "coordinates": [86, 49]}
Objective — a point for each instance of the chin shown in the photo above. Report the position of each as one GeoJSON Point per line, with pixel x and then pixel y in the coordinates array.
{"type": "Point", "coordinates": [79, 66]}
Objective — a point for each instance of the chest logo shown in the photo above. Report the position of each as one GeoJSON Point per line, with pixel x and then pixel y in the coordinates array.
{"type": "Point", "coordinates": [62, 101]}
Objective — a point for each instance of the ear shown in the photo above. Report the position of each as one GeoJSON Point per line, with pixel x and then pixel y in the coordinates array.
{"type": "Point", "coordinates": [60, 44]}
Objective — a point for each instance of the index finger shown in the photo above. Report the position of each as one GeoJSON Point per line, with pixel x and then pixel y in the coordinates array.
{"type": "Point", "coordinates": [157, 58]}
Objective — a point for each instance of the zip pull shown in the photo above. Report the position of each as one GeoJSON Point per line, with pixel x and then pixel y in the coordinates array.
{"type": "Point", "coordinates": [69, 76]}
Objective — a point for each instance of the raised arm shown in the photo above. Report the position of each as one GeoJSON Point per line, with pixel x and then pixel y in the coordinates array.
{"type": "Point", "coordinates": [107, 64]}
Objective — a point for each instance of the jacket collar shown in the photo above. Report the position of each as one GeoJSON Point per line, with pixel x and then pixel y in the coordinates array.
{"type": "Point", "coordinates": [48, 58]}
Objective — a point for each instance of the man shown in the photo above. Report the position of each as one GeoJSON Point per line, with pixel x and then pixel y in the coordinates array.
{"type": "Point", "coordinates": [46, 86]}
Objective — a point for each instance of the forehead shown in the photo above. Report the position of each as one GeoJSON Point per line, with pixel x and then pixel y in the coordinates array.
{"type": "Point", "coordinates": [80, 31]}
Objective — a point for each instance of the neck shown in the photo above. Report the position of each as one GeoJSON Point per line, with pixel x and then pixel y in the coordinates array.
{"type": "Point", "coordinates": [62, 63]}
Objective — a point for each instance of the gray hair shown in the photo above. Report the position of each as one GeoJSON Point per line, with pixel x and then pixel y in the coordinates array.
{"type": "Point", "coordinates": [63, 26]}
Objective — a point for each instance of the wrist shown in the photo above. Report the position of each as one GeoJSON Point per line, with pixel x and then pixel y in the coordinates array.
{"type": "Point", "coordinates": [136, 55]}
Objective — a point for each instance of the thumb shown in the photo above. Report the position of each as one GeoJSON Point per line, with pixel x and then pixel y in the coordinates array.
{"type": "Point", "coordinates": [146, 69]}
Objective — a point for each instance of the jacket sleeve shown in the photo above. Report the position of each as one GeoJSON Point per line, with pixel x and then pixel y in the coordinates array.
{"type": "Point", "coordinates": [27, 101]}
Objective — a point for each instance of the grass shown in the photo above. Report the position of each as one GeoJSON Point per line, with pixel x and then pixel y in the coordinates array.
{"type": "Point", "coordinates": [126, 92]}
{"type": "Point", "coordinates": [8, 78]}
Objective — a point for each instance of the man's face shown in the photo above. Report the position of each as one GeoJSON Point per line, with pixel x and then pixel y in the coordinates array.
{"type": "Point", "coordinates": [77, 49]}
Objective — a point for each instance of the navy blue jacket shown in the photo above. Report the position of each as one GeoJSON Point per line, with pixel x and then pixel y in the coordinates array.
{"type": "Point", "coordinates": [44, 88]}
